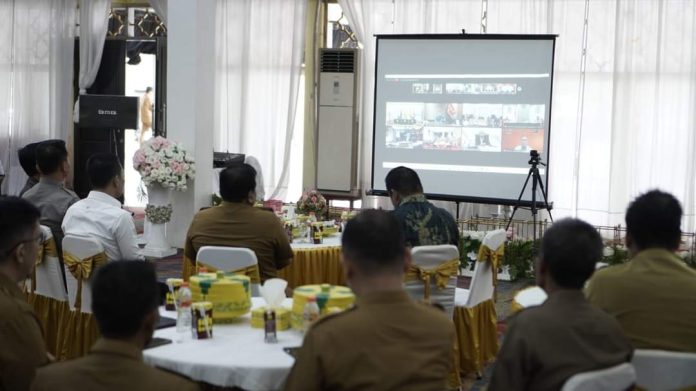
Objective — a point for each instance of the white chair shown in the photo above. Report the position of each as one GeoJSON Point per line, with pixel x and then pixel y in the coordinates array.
{"type": "Point", "coordinates": [428, 258]}
{"type": "Point", "coordinates": [49, 278]}
{"type": "Point", "coordinates": [481, 287]}
{"type": "Point", "coordinates": [82, 248]}
{"type": "Point", "coordinates": [617, 378]}
{"type": "Point", "coordinates": [660, 370]}
{"type": "Point", "coordinates": [228, 260]}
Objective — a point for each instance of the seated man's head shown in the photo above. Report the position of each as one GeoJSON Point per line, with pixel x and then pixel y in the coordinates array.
{"type": "Point", "coordinates": [106, 174]}
{"type": "Point", "coordinates": [374, 251]}
{"type": "Point", "coordinates": [238, 183]}
{"type": "Point", "coordinates": [402, 182]}
{"type": "Point", "coordinates": [125, 297]}
{"type": "Point", "coordinates": [653, 220]}
{"type": "Point", "coordinates": [20, 235]}
{"type": "Point", "coordinates": [52, 159]}
{"type": "Point", "coordinates": [570, 250]}
{"type": "Point", "coordinates": [27, 159]}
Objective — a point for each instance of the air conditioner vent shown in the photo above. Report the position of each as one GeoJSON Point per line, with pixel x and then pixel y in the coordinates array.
{"type": "Point", "coordinates": [341, 61]}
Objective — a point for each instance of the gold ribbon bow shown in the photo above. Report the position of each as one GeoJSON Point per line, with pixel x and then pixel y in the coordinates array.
{"type": "Point", "coordinates": [47, 249]}
{"type": "Point", "coordinates": [495, 257]}
{"type": "Point", "coordinates": [442, 274]}
{"type": "Point", "coordinates": [82, 269]}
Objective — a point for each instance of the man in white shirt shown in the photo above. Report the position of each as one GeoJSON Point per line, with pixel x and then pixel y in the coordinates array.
{"type": "Point", "coordinates": [100, 215]}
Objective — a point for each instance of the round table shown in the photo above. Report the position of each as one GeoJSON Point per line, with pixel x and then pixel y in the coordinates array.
{"type": "Point", "coordinates": [236, 355]}
{"type": "Point", "coordinates": [315, 263]}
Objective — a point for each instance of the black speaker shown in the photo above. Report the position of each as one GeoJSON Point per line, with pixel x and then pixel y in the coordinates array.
{"type": "Point", "coordinates": [108, 111]}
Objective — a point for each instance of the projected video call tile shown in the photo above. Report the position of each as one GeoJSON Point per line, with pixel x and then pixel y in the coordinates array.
{"type": "Point", "coordinates": [447, 138]}
{"type": "Point", "coordinates": [404, 113]}
{"type": "Point", "coordinates": [523, 140]}
{"type": "Point", "coordinates": [482, 139]}
{"type": "Point", "coordinates": [524, 115]}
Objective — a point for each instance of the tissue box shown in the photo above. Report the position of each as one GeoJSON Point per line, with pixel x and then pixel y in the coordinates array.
{"type": "Point", "coordinates": [282, 318]}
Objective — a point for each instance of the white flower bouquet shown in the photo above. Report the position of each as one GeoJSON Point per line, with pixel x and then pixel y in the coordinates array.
{"type": "Point", "coordinates": [163, 162]}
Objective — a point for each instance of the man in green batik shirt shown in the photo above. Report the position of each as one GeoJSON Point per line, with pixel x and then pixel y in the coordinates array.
{"type": "Point", "coordinates": [423, 223]}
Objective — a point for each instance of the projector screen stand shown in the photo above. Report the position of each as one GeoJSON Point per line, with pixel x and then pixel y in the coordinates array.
{"type": "Point", "coordinates": [534, 161]}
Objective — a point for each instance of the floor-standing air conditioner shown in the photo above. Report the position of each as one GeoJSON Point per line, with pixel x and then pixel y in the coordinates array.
{"type": "Point", "coordinates": [337, 131]}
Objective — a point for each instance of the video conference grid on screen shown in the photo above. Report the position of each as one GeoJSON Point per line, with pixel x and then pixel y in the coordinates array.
{"type": "Point", "coordinates": [464, 113]}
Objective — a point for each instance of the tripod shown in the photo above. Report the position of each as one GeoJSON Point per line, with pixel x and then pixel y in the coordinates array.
{"type": "Point", "coordinates": [534, 161]}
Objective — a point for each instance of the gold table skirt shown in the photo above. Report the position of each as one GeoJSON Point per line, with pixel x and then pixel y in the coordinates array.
{"type": "Point", "coordinates": [314, 266]}
{"type": "Point", "coordinates": [81, 332]}
{"type": "Point", "coordinates": [477, 336]}
{"type": "Point", "coordinates": [52, 315]}
{"type": "Point", "coordinates": [309, 266]}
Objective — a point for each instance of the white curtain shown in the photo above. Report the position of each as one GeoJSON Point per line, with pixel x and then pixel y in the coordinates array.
{"type": "Point", "coordinates": [94, 21]}
{"type": "Point", "coordinates": [160, 7]}
{"type": "Point", "coordinates": [36, 73]}
{"type": "Point", "coordinates": [623, 119]}
{"type": "Point", "coordinates": [259, 50]}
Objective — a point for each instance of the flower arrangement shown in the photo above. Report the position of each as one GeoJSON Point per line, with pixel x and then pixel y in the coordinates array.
{"type": "Point", "coordinates": [164, 162]}
{"type": "Point", "coordinates": [312, 201]}
{"type": "Point", "coordinates": [158, 214]}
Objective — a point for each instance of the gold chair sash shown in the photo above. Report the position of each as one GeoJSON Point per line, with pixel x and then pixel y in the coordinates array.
{"type": "Point", "coordinates": [47, 249]}
{"type": "Point", "coordinates": [495, 257]}
{"type": "Point", "coordinates": [250, 271]}
{"type": "Point", "coordinates": [442, 274]}
{"type": "Point", "coordinates": [82, 269]}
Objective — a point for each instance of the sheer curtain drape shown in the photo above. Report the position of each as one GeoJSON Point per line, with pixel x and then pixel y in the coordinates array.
{"type": "Point", "coordinates": [94, 21]}
{"type": "Point", "coordinates": [623, 117]}
{"type": "Point", "coordinates": [36, 72]}
{"type": "Point", "coordinates": [258, 69]}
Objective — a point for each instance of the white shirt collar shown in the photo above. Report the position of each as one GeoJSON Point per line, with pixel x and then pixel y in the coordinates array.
{"type": "Point", "coordinates": [105, 198]}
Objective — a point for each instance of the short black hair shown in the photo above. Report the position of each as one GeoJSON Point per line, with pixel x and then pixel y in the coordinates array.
{"type": "Point", "coordinates": [148, 89]}
{"type": "Point", "coordinates": [102, 168]}
{"type": "Point", "coordinates": [18, 218]}
{"type": "Point", "coordinates": [571, 248]}
{"type": "Point", "coordinates": [27, 159]}
{"type": "Point", "coordinates": [404, 180]}
{"type": "Point", "coordinates": [236, 181]}
{"type": "Point", "coordinates": [50, 154]}
{"type": "Point", "coordinates": [123, 294]}
{"type": "Point", "coordinates": [653, 220]}
{"type": "Point", "coordinates": [374, 241]}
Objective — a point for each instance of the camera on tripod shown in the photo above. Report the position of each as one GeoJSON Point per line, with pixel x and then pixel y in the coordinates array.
{"type": "Point", "coordinates": [534, 158]}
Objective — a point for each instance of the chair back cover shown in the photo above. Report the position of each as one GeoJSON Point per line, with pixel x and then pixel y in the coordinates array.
{"type": "Point", "coordinates": [659, 370]}
{"type": "Point", "coordinates": [49, 278]}
{"type": "Point", "coordinates": [430, 258]}
{"type": "Point", "coordinates": [617, 378]}
{"type": "Point", "coordinates": [231, 259]}
{"type": "Point", "coordinates": [81, 247]}
{"type": "Point", "coordinates": [481, 288]}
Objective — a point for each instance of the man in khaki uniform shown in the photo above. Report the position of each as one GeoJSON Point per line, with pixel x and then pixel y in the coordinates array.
{"type": "Point", "coordinates": [125, 299]}
{"type": "Point", "coordinates": [50, 194]}
{"type": "Point", "coordinates": [237, 223]}
{"type": "Point", "coordinates": [546, 345]}
{"type": "Point", "coordinates": [388, 341]}
{"type": "Point", "coordinates": [654, 295]}
{"type": "Point", "coordinates": [22, 347]}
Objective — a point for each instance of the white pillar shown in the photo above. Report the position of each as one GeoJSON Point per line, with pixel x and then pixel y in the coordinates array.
{"type": "Point", "coordinates": [190, 102]}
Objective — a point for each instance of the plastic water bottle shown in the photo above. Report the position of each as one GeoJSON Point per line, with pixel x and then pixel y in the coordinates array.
{"type": "Point", "coordinates": [310, 314]}
{"type": "Point", "coordinates": [183, 316]}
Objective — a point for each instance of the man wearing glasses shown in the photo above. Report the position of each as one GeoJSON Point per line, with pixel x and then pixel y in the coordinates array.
{"type": "Point", "coordinates": [22, 348]}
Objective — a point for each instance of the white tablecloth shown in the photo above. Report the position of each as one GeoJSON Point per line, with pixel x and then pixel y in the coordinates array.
{"type": "Point", "coordinates": [236, 355]}
{"type": "Point", "coordinates": [329, 241]}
